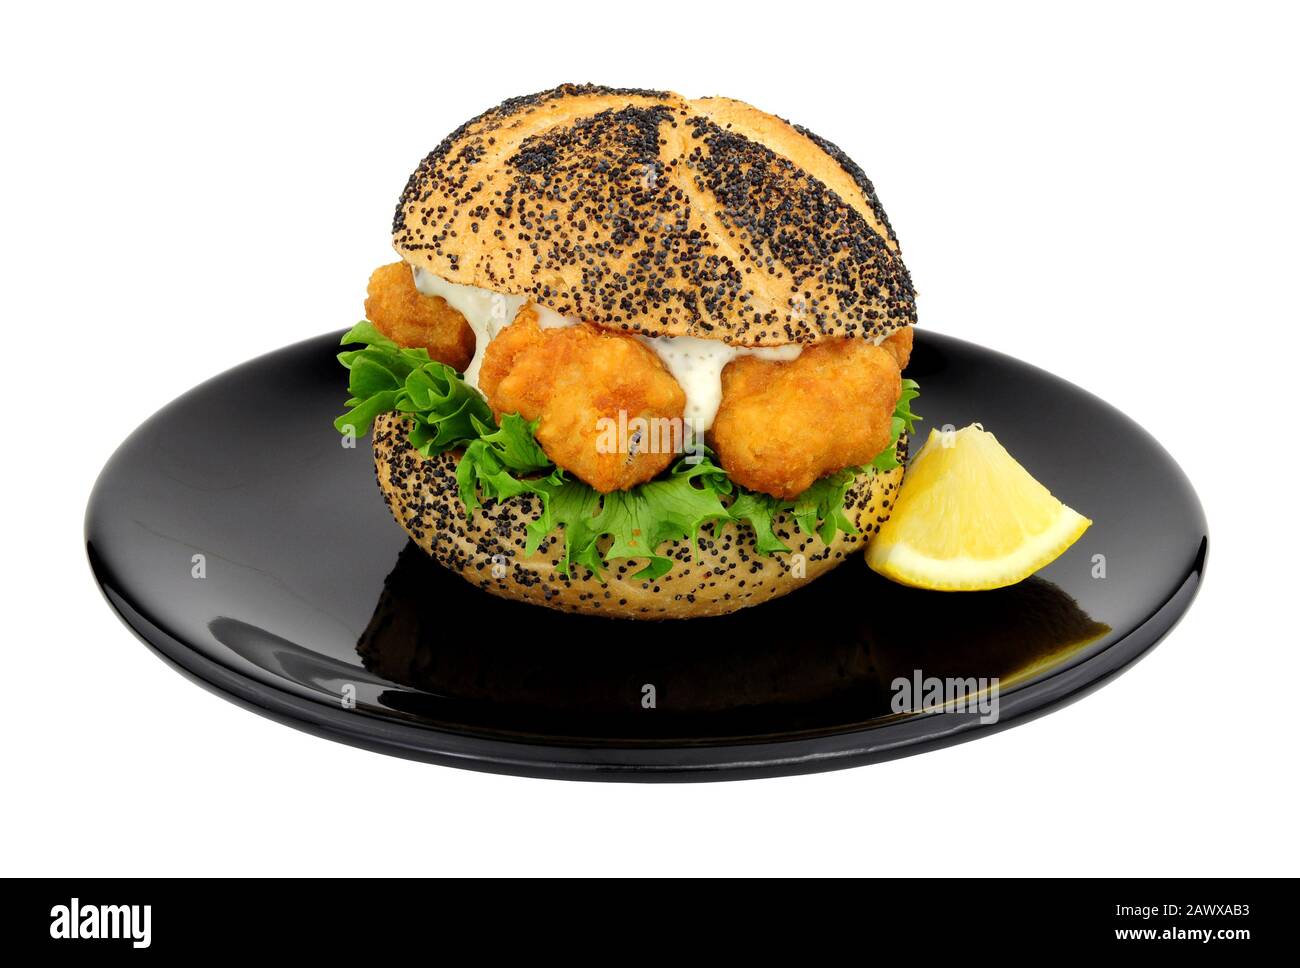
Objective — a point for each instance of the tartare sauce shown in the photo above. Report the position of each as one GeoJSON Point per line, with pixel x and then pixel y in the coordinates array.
{"type": "Point", "coordinates": [697, 364]}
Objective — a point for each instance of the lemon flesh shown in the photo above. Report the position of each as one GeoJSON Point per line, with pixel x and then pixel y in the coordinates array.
{"type": "Point", "coordinates": [969, 518]}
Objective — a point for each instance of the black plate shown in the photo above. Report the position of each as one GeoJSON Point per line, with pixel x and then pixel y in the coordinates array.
{"type": "Point", "coordinates": [312, 601]}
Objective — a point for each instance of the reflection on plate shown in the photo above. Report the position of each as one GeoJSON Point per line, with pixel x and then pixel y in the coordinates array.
{"type": "Point", "coordinates": [774, 669]}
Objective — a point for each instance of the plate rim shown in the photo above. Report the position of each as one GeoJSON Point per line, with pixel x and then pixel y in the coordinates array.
{"type": "Point", "coordinates": [718, 761]}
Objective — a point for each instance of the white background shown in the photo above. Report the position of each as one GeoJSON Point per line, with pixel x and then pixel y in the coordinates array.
{"type": "Point", "coordinates": [1109, 193]}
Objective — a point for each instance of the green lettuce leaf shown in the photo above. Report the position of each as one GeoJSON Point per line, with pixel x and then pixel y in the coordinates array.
{"type": "Point", "coordinates": [501, 460]}
{"type": "Point", "coordinates": [669, 508]}
{"type": "Point", "coordinates": [758, 511]}
{"type": "Point", "coordinates": [445, 411]}
{"type": "Point", "coordinates": [903, 419]}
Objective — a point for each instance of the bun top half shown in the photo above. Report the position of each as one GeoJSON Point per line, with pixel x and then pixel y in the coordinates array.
{"type": "Point", "coordinates": [644, 211]}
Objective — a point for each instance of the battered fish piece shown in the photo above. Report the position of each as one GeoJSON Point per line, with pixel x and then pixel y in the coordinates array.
{"type": "Point", "coordinates": [571, 378]}
{"type": "Point", "coordinates": [899, 343]}
{"type": "Point", "coordinates": [782, 425]}
{"type": "Point", "coordinates": [410, 318]}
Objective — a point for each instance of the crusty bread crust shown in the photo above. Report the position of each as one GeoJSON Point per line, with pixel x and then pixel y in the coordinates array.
{"type": "Point", "coordinates": [644, 211]}
{"type": "Point", "coordinates": [487, 549]}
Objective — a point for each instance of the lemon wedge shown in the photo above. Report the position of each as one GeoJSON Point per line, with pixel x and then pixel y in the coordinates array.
{"type": "Point", "coordinates": [969, 518]}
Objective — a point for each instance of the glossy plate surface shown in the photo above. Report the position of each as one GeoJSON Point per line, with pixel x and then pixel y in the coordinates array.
{"type": "Point", "coordinates": [311, 607]}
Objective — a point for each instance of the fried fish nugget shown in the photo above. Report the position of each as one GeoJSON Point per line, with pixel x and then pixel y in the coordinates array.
{"type": "Point", "coordinates": [410, 318]}
{"type": "Point", "coordinates": [522, 335]}
{"type": "Point", "coordinates": [577, 379]}
{"type": "Point", "coordinates": [899, 343]}
{"type": "Point", "coordinates": [782, 425]}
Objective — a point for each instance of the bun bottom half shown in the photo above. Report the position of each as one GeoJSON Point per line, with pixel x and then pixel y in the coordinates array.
{"type": "Point", "coordinates": [721, 573]}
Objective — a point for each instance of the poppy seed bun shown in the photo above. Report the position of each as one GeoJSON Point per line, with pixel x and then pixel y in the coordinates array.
{"type": "Point", "coordinates": [644, 211]}
{"type": "Point", "coordinates": [487, 549]}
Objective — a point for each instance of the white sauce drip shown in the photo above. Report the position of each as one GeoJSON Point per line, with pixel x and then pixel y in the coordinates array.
{"type": "Point", "coordinates": [696, 364]}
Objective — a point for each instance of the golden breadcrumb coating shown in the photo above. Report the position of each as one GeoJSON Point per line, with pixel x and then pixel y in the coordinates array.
{"type": "Point", "coordinates": [409, 318]}
{"type": "Point", "coordinates": [899, 343]}
{"type": "Point", "coordinates": [573, 377]}
{"type": "Point", "coordinates": [782, 425]}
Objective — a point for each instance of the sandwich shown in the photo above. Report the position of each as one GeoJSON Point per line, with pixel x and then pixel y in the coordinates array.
{"type": "Point", "coordinates": [640, 356]}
